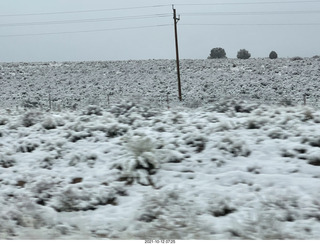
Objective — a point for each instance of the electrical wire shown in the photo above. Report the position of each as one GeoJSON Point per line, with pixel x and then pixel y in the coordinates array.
{"type": "Point", "coordinates": [276, 24]}
{"type": "Point", "coordinates": [85, 20]}
{"type": "Point", "coordinates": [163, 15]}
{"type": "Point", "coordinates": [155, 6]}
{"type": "Point", "coordinates": [245, 3]}
{"type": "Point", "coordinates": [84, 11]}
{"type": "Point", "coordinates": [251, 13]}
{"type": "Point", "coordinates": [86, 31]}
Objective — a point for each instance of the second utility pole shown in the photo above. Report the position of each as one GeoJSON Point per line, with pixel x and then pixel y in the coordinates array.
{"type": "Point", "coordinates": [177, 49]}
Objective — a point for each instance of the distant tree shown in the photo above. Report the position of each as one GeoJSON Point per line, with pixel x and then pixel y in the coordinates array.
{"type": "Point", "coordinates": [217, 52]}
{"type": "Point", "coordinates": [273, 55]}
{"type": "Point", "coordinates": [243, 54]}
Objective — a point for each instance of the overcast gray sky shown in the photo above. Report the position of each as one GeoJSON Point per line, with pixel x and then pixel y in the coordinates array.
{"type": "Point", "coordinates": [143, 29]}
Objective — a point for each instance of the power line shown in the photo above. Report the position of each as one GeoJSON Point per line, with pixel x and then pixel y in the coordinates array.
{"type": "Point", "coordinates": [163, 15]}
{"type": "Point", "coordinates": [86, 31]}
{"type": "Point", "coordinates": [84, 11]}
{"type": "Point", "coordinates": [246, 3]}
{"type": "Point", "coordinates": [154, 6]}
{"type": "Point", "coordinates": [85, 20]}
{"type": "Point", "coordinates": [276, 24]}
{"type": "Point", "coordinates": [252, 13]}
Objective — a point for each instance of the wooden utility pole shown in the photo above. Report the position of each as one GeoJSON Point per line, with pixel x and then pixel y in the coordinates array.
{"type": "Point", "coordinates": [176, 20]}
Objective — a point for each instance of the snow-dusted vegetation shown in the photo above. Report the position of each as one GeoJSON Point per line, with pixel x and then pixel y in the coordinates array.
{"type": "Point", "coordinates": [74, 85]}
{"type": "Point", "coordinates": [239, 158]}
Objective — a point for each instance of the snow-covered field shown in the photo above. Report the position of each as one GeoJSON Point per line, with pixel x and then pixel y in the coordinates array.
{"type": "Point", "coordinates": [234, 160]}
{"type": "Point", "coordinates": [74, 85]}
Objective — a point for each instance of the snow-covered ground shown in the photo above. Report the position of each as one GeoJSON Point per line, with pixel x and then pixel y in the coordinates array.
{"type": "Point", "coordinates": [72, 85]}
{"type": "Point", "coordinates": [211, 167]}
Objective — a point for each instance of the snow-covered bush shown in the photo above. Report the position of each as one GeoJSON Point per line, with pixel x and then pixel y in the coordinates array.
{"type": "Point", "coordinates": [111, 129]}
{"type": "Point", "coordinates": [76, 136]}
{"type": "Point", "coordinates": [227, 105]}
{"type": "Point", "coordinates": [174, 156]}
{"type": "Point", "coordinates": [3, 120]}
{"type": "Point", "coordinates": [31, 103]}
{"type": "Point", "coordinates": [307, 114]}
{"type": "Point", "coordinates": [31, 118]}
{"type": "Point", "coordinates": [49, 123]}
{"type": "Point", "coordinates": [256, 122]}
{"type": "Point", "coordinates": [193, 103]}
{"type": "Point", "coordinates": [6, 161]}
{"type": "Point", "coordinates": [220, 206]}
{"type": "Point", "coordinates": [195, 140]}
{"type": "Point", "coordinates": [243, 107]}
{"type": "Point", "coordinates": [314, 158]}
{"type": "Point", "coordinates": [93, 110]}
{"type": "Point", "coordinates": [299, 151]}
{"type": "Point", "coordinates": [27, 146]}
{"type": "Point", "coordinates": [44, 188]}
{"type": "Point", "coordinates": [312, 208]}
{"type": "Point", "coordinates": [122, 108]}
{"type": "Point", "coordinates": [140, 160]}
{"type": "Point", "coordinates": [225, 125]}
{"type": "Point", "coordinates": [312, 140]}
{"type": "Point", "coordinates": [277, 133]}
{"type": "Point", "coordinates": [286, 101]}
{"type": "Point", "coordinates": [128, 112]}
{"type": "Point", "coordinates": [165, 215]}
{"type": "Point", "coordinates": [259, 226]}
{"type": "Point", "coordinates": [296, 58]}
{"type": "Point", "coordinates": [139, 145]}
{"type": "Point", "coordinates": [81, 197]}
{"type": "Point", "coordinates": [7, 224]}
{"type": "Point", "coordinates": [221, 106]}
{"type": "Point", "coordinates": [22, 219]}
{"type": "Point", "coordinates": [268, 219]}
{"type": "Point", "coordinates": [24, 213]}
{"type": "Point", "coordinates": [234, 146]}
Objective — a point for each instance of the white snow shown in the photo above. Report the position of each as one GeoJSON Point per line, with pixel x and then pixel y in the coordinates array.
{"type": "Point", "coordinates": [206, 168]}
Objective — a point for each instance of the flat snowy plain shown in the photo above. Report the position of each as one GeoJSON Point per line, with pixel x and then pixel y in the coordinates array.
{"type": "Point", "coordinates": [118, 157]}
